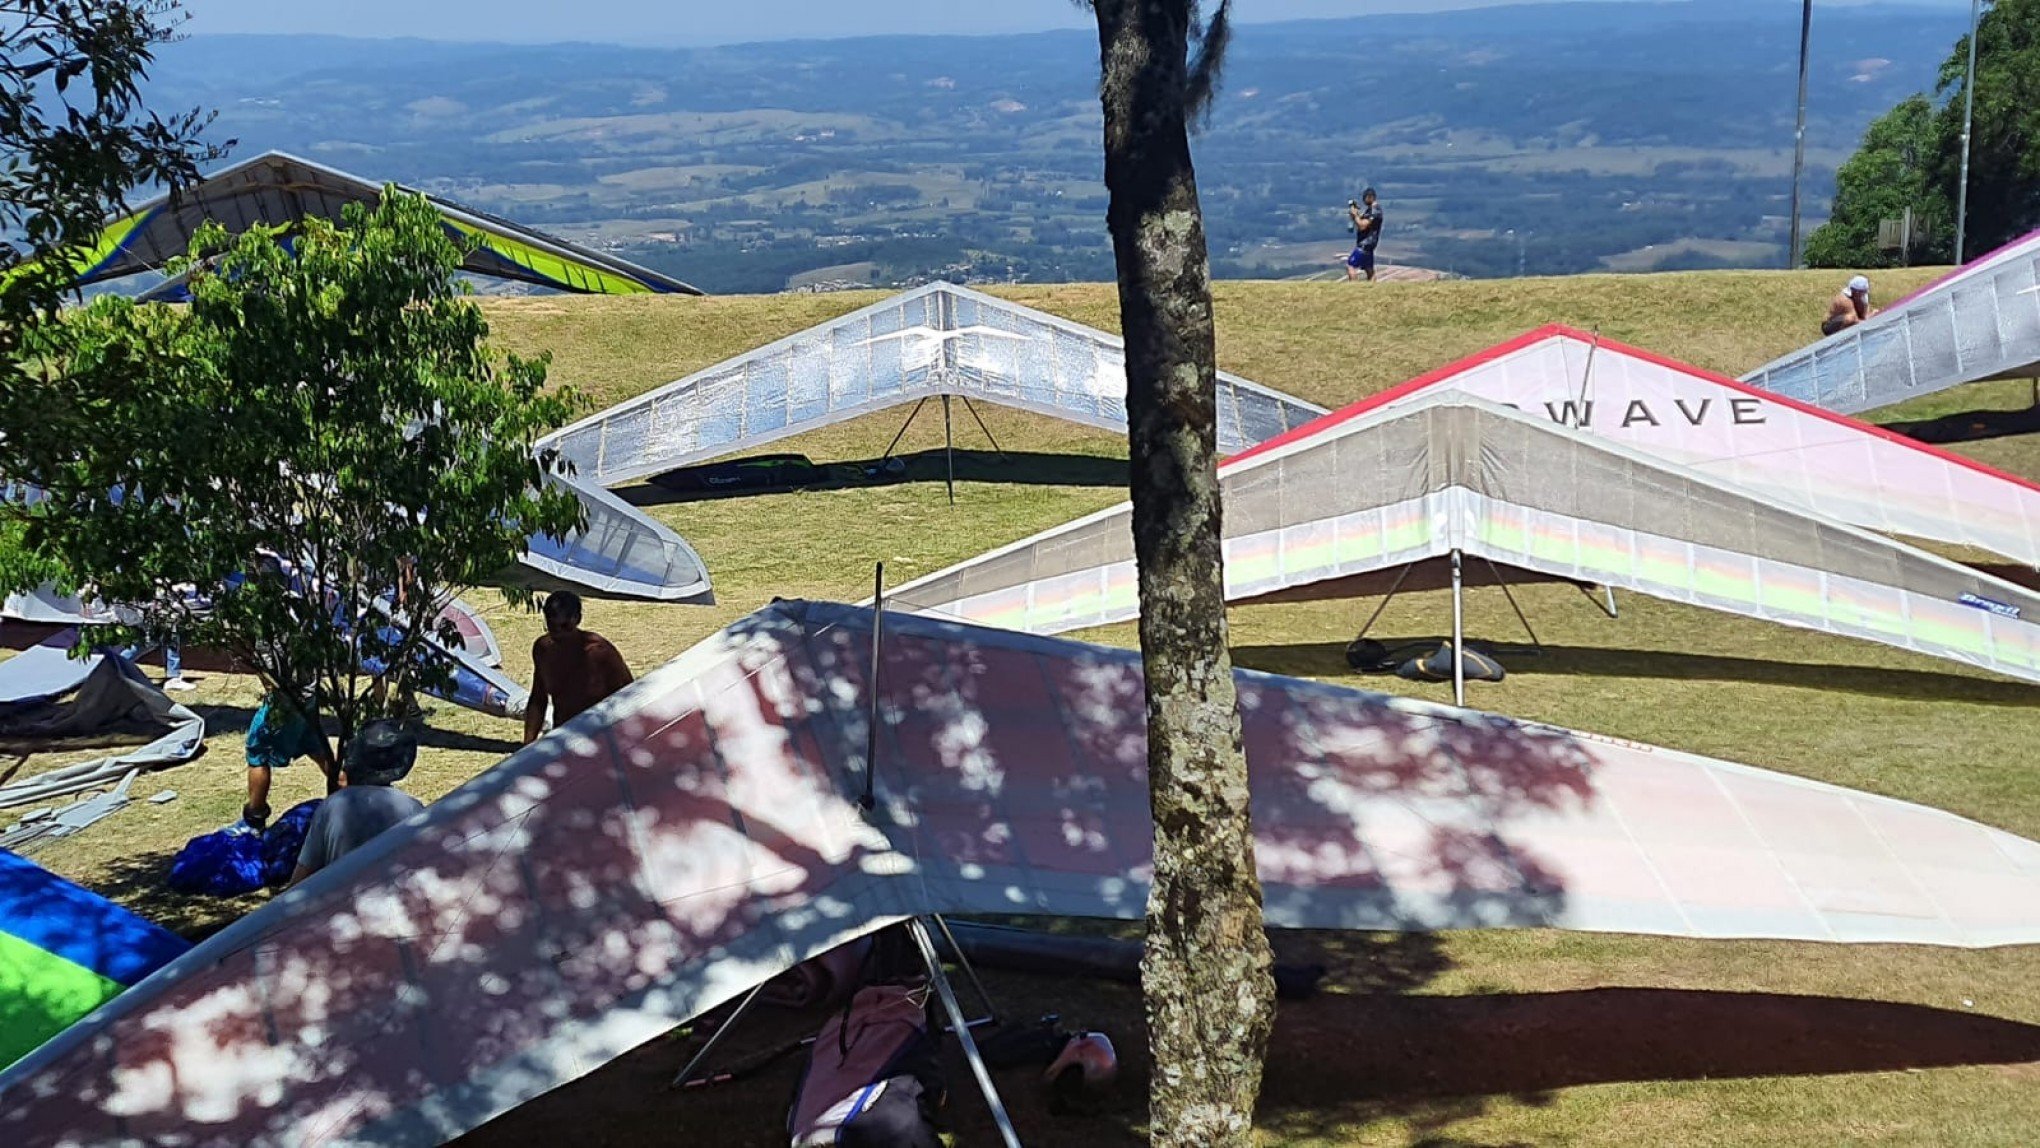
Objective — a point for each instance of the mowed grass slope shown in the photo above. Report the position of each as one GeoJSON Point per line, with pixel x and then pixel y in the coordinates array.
{"type": "Point", "coordinates": [1483, 1037]}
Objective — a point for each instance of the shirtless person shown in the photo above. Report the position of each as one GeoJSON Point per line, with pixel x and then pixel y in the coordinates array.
{"type": "Point", "coordinates": [572, 668]}
{"type": "Point", "coordinates": [1850, 307]}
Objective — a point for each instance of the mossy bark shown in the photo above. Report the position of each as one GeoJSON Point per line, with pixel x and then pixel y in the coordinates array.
{"type": "Point", "coordinates": [1205, 976]}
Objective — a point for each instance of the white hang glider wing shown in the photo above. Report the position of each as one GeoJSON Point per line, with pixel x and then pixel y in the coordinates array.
{"type": "Point", "coordinates": [1981, 322]}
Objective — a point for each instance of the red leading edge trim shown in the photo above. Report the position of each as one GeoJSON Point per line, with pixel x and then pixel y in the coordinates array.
{"type": "Point", "coordinates": [1972, 265]}
{"type": "Point", "coordinates": [1326, 422]}
{"type": "Point", "coordinates": [1529, 339]}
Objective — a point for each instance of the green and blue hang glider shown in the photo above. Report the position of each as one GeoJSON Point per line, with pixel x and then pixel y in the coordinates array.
{"type": "Point", "coordinates": [277, 189]}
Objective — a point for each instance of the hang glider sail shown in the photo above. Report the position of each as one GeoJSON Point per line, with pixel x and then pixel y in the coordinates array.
{"type": "Point", "coordinates": [1778, 446]}
{"type": "Point", "coordinates": [279, 190]}
{"type": "Point", "coordinates": [1440, 472]}
{"type": "Point", "coordinates": [477, 682]}
{"type": "Point", "coordinates": [621, 553]}
{"type": "Point", "coordinates": [936, 340]}
{"type": "Point", "coordinates": [1981, 322]}
{"type": "Point", "coordinates": [64, 952]}
{"type": "Point", "coordinates": [45, 694]}
{"type": "Point", "coordinates": [701, 832]}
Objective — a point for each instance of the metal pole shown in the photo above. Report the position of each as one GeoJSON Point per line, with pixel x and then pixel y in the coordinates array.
{"type": "Point", "coordinates": [1390, 597]}
{"type": "Point", "coordinates": [1520, 616]}
{"type": "Point", "coordinates": [948, 452]}
{"type": "Point", "coordinates": [969, 970]}
{"type": "Point", "coordinates": [1611, 602]}
{"type": "Point", "coordinates": [963, 1037]}
{"type": "Point", "coordinates": [911, 416]}
{"type": "Point", "coordinates": [1968, 113]}
{"type": "Point", "coordinates": [1799, 133]}
{"type": "Point", "coordinates": [871, 723]}
{"type": "Point", "coordinates": [1458, 635]}
{"type": "Point", "coordinates": [972, 408]}
{"type": "Point", "coordinates": [715, 1038]}
{"type": "Point", "coordinates": [1583, 414]}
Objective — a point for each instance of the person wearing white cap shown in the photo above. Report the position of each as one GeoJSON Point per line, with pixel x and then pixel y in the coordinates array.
{"type": "Point", "coordinates": [1851, 306]}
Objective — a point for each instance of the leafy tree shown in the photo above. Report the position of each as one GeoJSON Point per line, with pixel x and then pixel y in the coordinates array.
{"type": "Point", "coordinates": [1888, 173]}
{"type": "Point", "coordinates": [1206, 973]}
{"type": "Point", "coordinates": [2004, 158]}
{"type": "Point", "coordinates": [315, 432]}
{"type": "Point", "coordinates": [1913, 154]}
{"type": "Point", "coordinates": [75, 140]}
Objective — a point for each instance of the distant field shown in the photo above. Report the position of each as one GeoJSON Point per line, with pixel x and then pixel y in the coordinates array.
{"type": "Point", "coordinates": [841, 272]}
{"type": "Point", "coordinates": [710, 128]}
{"type": "Point", "coordinates": [1728, 250]}
{"type": "Point", "coordinates": [1523, 1037]}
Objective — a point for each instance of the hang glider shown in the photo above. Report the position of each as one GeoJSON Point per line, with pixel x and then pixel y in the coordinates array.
{"type": "Point", "coordinates": [933, 341]}
{"type": "Point", "coordinates": [1980, 322]}
{"type": "Point", "coordinates": [1783, 448]}
{"type": "Point", "coordinates": [64, 952]}
{"type": "Point", "coordinates": [477, 683]}
{"type": "Point", "coordinates": [702, 831]}
{"type": "Point", "coordinates": [279, 190]}
{"type": "Point", "coordinates": [1439, 473]}
{"type": "Point", "coordinates": [622, 552]}
{"type": "Point", "coordinates": [45, 693]}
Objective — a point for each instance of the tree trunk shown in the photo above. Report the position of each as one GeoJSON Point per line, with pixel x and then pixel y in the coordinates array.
{"type": "Point", "coordinates": [1206, 972]}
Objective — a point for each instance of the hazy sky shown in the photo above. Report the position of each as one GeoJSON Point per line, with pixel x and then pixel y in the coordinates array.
{"type": "Point", "coordinates": [667, 22]}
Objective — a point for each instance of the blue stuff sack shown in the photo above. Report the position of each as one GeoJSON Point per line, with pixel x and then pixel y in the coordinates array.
{"type": "Point", "coordinates": [224, 863]}
{"type": "Point", "coordinates": [284, 840]}
{"type": "Point", "coordinates": [235, 860]}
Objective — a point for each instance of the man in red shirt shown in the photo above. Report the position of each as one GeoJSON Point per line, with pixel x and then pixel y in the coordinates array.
{"type": "Point", "coordinates": [572, 668]}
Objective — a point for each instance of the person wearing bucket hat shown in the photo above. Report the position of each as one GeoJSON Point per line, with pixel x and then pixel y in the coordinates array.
{"type": "Point", "coordinates": [1850, 306]}
{"type": "Point", "coordinates": [380, 756]}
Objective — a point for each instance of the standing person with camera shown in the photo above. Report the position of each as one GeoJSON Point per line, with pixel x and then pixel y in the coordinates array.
{"type": "Point", "coordinates": [1366, 217]}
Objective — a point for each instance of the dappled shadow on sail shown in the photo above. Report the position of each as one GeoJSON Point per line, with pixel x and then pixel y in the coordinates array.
{"type": "Point", "coordinates": [536, 923]}
{"type": "Point", "coordinates": [703, 831]}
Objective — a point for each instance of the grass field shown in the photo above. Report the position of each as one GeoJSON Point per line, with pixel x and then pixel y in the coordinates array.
{"type": "Point", "coordinates": [1526, 1037]}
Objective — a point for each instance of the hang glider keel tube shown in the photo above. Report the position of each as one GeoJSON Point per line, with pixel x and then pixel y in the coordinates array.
{"type": "Point", "coordinates": [916, 926]}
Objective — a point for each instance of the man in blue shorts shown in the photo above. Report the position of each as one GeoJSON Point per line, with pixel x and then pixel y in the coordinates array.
{"type": "Point", "coordinates": [1366, 233]}
{"type": "Point", "coordinates": [279, 735]}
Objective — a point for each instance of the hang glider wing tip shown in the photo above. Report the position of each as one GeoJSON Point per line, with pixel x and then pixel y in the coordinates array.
{"type": "Point", "coordinates": [284, 188]}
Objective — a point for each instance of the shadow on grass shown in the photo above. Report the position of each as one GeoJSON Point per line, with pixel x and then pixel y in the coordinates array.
{"type": "Point", "coordinates": [1017, 468]}
{"type": "Point", "coordinates": [431, 737]}
{"type": "Point", "coordinates": [138, 882]}
{"type": "Point", "coordinates": [1369, 1051]}
{"type": "Point", "coordinates": [1327, 659]}
{"type": "Point", "coordinates": [233, 721]}
{"type": "Point", "coordinates": [1346, 1060]}
{"type": "Point", "coordinates": [1972, 426]}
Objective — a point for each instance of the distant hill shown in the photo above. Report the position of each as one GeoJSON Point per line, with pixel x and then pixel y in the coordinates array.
{"type": "Point", "coordinates": [1631, 135]}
